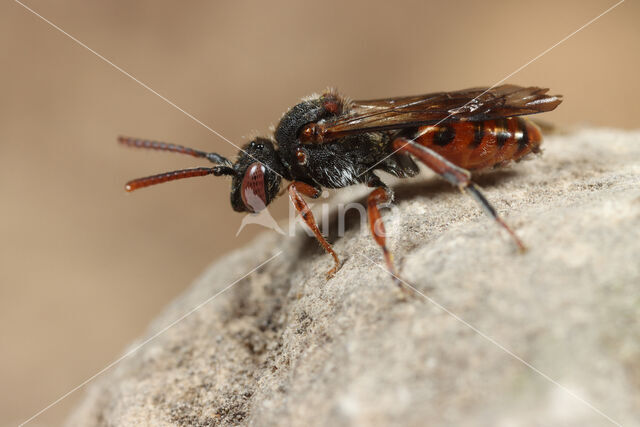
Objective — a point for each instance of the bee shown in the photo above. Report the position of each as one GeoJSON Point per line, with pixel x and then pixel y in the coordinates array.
{"type": "Point", "coordinates": [329, 141]}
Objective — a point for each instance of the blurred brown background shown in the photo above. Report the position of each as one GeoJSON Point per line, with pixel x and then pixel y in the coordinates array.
{"type": "Point", "coordinates": [84, 267]}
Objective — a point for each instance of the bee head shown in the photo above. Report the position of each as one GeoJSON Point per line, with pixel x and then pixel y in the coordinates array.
{"type": "Point", "coordinates": [255, 176]}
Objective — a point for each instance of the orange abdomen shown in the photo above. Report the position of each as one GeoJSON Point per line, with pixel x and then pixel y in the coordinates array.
{"type": "Point", "coordinates": [480, 145]}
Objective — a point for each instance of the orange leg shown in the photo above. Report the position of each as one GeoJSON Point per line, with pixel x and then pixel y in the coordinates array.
{"type": "Point", "coordinates": [296, 190]}
{"type": "Point", "coordinates": [455, 175]}
{"type": "Point", "coordinates": [381, 195]}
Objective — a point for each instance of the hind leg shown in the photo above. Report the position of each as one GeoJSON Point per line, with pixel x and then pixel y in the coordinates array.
{"type": "Point", "coordinates": [455, 175]}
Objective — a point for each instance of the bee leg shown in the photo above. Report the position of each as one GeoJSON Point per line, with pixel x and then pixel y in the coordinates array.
{"type": "Point", "coordinates": [296, 190]}
{"type": "Point", "coordinates": [455, 175]}
{"type": "Point", "coordinates": [382, 195]}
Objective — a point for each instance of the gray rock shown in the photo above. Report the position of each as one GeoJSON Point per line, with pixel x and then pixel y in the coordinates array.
{"type": "Point", "coordinates": [485, 345]}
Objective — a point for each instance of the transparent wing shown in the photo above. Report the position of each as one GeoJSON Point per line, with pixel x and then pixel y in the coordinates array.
{"type": "Point", "coordinates": [475, 104]}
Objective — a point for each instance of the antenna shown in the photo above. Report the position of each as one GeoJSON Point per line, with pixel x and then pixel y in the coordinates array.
{"type": "Point", "coordinates": [164, 146]}
{"type": "Point", "coordinates": [174, 175]}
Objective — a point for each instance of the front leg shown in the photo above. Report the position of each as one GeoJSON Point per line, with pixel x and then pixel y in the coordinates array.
{"type": "Point", "coordinates": [296, 190]}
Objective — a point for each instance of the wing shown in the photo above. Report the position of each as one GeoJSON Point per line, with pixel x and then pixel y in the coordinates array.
{"type": "Point", "coordinates": [474, 104]}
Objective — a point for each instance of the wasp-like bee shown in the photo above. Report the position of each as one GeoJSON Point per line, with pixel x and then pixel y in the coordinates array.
{"type": "Point", "coordinates": [329, 141]}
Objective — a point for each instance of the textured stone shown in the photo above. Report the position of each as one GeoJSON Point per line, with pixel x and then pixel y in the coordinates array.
{"type": "Point", "coordinates": [285, 346]}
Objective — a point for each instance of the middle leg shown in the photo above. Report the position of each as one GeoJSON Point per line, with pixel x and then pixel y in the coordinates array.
{"type": "Point", "coordinates": [380, 196]}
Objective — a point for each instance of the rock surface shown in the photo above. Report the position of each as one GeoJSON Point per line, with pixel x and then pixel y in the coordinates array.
{"type": "Point", "coordinates": [494, 330]}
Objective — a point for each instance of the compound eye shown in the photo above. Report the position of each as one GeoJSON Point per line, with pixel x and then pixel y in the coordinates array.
{"type": "Point", "coordinates": [252, 190]}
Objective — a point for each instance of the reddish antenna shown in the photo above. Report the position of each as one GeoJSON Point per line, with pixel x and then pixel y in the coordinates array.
{"type": "Point", "coordinates": [136, 184]}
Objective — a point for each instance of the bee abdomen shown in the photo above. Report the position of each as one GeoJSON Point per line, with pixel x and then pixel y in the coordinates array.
{"type": "Point", "coordinates": [481, 145]}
